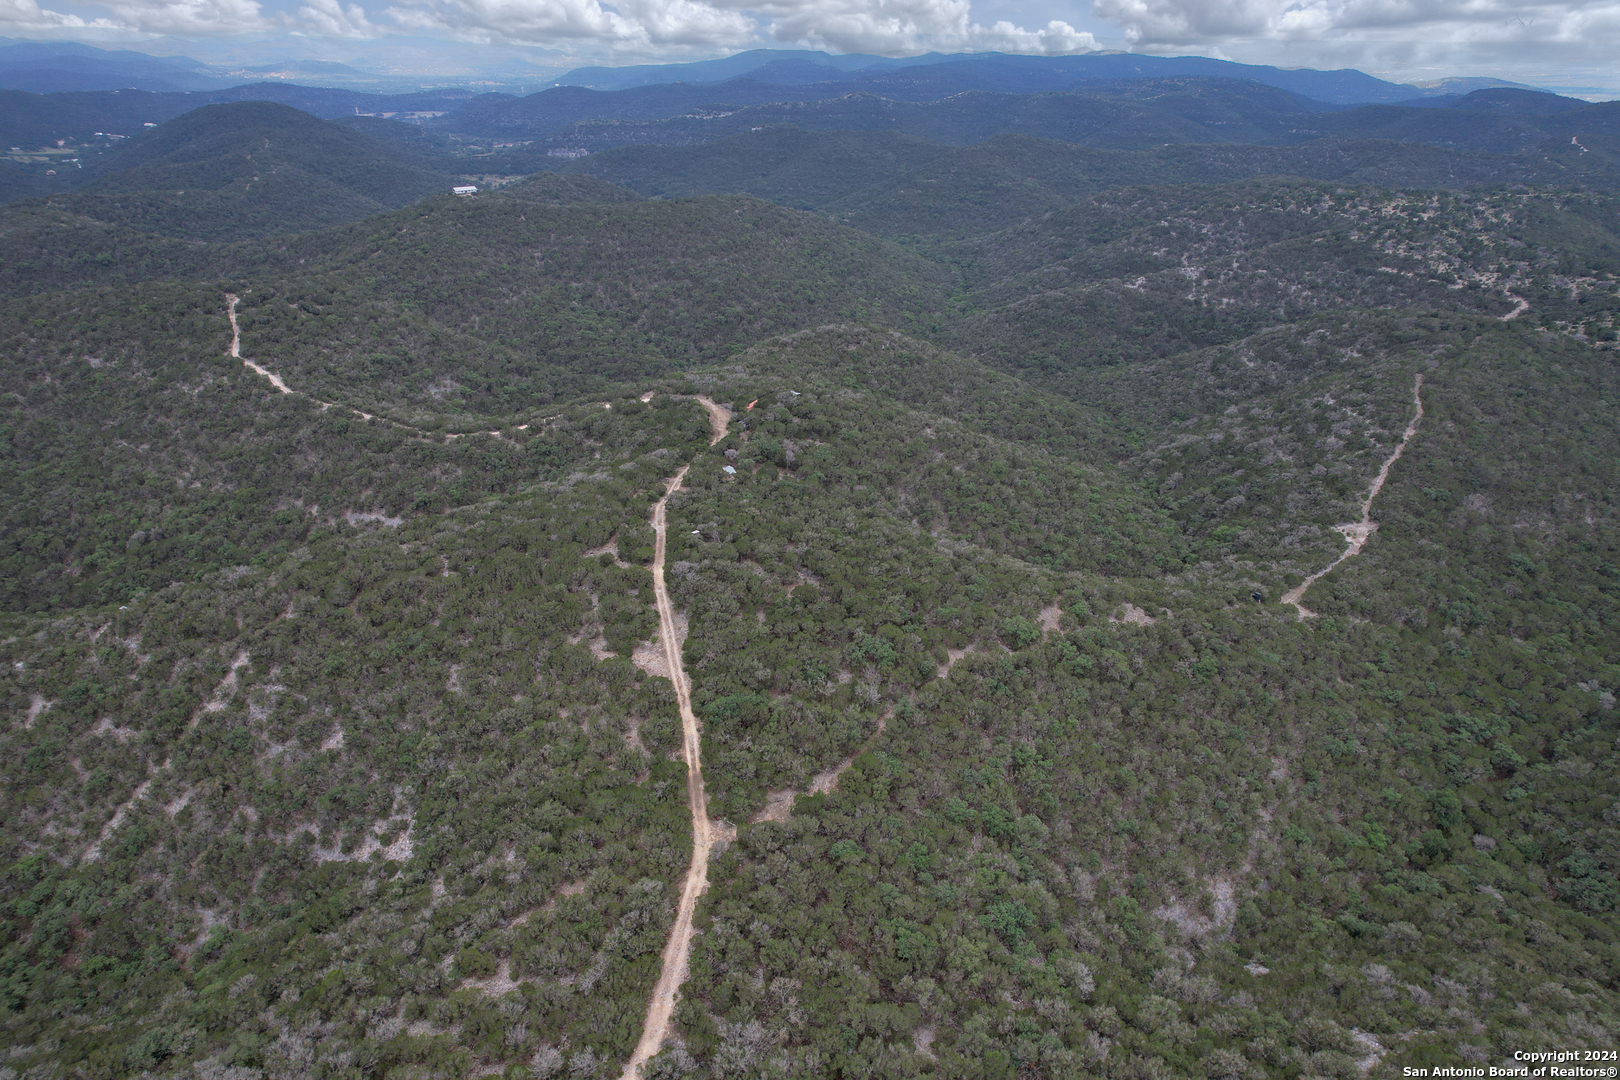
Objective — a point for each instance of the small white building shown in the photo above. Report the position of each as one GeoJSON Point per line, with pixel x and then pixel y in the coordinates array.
{"type": "Point", "coordinates": [466, 189]}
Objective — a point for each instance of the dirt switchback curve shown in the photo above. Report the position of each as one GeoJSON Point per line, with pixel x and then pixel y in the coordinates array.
{"type": "Point", "coordinates": [678, 950]}
{"type": "Point", "coordinates": [1359, 532]}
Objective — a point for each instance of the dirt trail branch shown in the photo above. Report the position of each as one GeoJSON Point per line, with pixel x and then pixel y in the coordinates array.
{"type": "Point", "coordinates": [281, 385]}
{"type": "Point", "coordinates": [275, 380]}
{"type": "Point", "coordinates": [236, 349]}
{"type": "Point", "coordinates": [1359, 532]}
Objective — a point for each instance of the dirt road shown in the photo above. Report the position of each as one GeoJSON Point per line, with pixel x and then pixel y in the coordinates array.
{"type": "Point", "coordinates": [679, 947]}
{"type": "Point", "coordinates": [719, 418]}
{"type": "Point", "coordinates": [719, 415]}
{"type": "Point", "coordinates": [1358, 533]}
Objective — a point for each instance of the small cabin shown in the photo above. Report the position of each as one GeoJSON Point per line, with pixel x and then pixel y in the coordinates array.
{"type": "Point", "coordinates": [465, 189]}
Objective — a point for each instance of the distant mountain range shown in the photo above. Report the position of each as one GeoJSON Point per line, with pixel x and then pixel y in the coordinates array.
{"type": "Point", "coordinates": [935, 75]}
{"type": "Point", "coordinates": [60, 141]}
{"type": "Point", "coordinates": [56, 67]}
{"type": "Point", "coordinates": [958, 102]}
{"type": "Point", "coordinates": [1123, 114]}
{"type": "Point", "coordinates": [384, 65]}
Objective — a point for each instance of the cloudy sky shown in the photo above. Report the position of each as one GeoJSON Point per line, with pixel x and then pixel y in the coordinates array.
{"type": "Point", "coordinates": [1546, 42]}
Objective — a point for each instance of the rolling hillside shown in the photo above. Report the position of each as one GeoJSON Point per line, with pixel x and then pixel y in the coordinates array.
{"type": "Point", "coordinates": [1015, 610]}
{"type": "Point", "coordinates": [905, 187]}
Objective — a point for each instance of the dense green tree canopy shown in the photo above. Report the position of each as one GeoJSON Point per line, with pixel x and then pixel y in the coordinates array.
{"type": "Point", "coordinates": [339, 742]}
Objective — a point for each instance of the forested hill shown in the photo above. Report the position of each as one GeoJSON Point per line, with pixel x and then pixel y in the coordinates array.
{"type": "Point", "coordinates": [1132, 627]}
{"type": "Point", "coordinates": [917, 190]}
{"type": "Point", "coordinates": [250, 169]}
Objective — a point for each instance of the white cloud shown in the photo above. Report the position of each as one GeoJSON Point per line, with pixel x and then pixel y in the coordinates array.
{"type": "Point", "coordinates": [664, 26]}
{"type": "Point", "coordinates": [139, 18]}
{"type": "Point", "coordinates": [688, 22]}
{"type": "Point", "coordinates": [608, 29]}
{"type": "Point", "coordinates": [1409, 27]}
{"type": "Point", "coordinates": [1538, 41]}
{"type": "Point", "coordinates": [898, 27]}
{"type": "Point", "coordinates": [641, 27]}
{"type": "Point", "coordinates": [1053, 39]}
{"type": "Point", "coordinates": [27, 17]}
{"type": "Point", "coordinates": [188, 17]}
{"type": "Point", "coordinates": [518, 20]}
{"type": "Point", "coordinates": [329, 18]}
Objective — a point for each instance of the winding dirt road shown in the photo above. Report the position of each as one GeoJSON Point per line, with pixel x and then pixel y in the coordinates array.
{"type": "Point", "coordinates": [678, 950]}
{"type": "Point", "coordinates": [1358, 533]}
